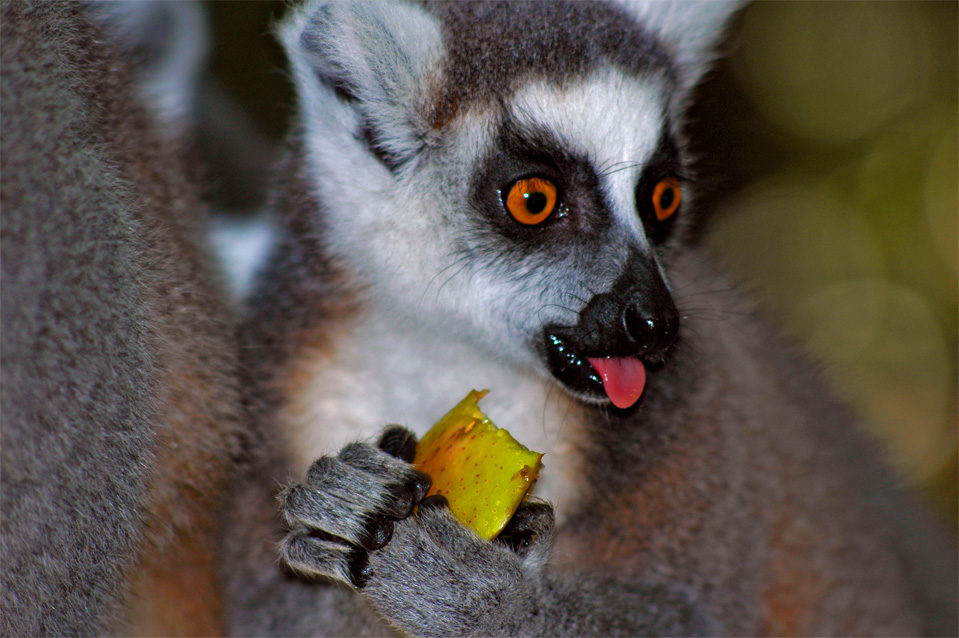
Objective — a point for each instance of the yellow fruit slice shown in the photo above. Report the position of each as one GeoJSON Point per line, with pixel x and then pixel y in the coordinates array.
{"type": "Point", "coordinates": [483, 471]}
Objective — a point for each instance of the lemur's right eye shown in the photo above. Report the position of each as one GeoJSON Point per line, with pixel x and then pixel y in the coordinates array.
{"type": "Point", "coordinates": [531, 200]}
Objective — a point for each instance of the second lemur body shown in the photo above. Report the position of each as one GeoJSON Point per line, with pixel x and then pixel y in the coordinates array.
{"type": "Point", "coordinates": [490, 195]}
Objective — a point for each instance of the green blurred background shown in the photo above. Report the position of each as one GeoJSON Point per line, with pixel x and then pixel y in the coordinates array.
{"type": "Point", "coordinates": [834, 126]}
{"type": "Point", "coordinates": [828, 137]}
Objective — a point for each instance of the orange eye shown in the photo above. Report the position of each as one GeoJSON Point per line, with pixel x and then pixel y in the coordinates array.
{"type": "Point", "coordinates": [531, 200]}
{"type": "Point", "coordinates": [666, 198]}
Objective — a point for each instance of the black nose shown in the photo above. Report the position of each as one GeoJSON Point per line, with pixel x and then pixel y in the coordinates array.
{"type": "Point", "coordinates": [652, 332]}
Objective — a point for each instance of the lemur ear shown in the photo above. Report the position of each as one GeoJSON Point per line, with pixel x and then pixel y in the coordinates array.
{"type": "Point", "coordinates": [170, 43]}
{"type": "Point", "coordinates": [373, 57]}
{"type": "Point", "coordinates": [690, 29]}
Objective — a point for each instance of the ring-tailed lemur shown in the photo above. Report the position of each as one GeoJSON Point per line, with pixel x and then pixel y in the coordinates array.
{"type": "Point", "coordinates": [492, 194]}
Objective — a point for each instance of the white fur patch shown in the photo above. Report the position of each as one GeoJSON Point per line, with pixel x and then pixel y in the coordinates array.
{"type": "Point", "coordinates": [241, 246]}
{"type": "Point", "coordinates": [391, 372]}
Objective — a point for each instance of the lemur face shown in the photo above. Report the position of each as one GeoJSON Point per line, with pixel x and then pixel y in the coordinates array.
{"type": "Point", "coordinates": [553, 212]}
{"type": "Point", "coordinates": [618, 199]}
{"type": "Point", "coordinates": [529, 219]}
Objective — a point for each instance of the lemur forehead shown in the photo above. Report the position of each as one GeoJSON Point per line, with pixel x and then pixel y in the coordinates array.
{"type": "Point", "coordinates": [613, 121]}
{"type": "Point", "coordinates": [494, 48]}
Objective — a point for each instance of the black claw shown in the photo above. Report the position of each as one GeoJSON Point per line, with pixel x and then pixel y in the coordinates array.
{"type": "Point", "coordinates": [516, 542]}
{"type": "Point", "coordinates": [434, 502]}
{"type": "Point", "coordinates": [379, 531]}
{"type": "Point", "coordinates": [530, 520]}
{"type": "Point", "coordinates": [531, 515]}
{"type": "Point", "coordinates": [359, 566]}
{"type": "Point", "coordinates": [399, 442]}
{"type": "Point", "coordinates": [404, 498]}
{"type": "Point", "coordinates": [419, 485]}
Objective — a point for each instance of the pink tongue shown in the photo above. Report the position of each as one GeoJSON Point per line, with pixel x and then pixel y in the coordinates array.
{"type": "Point", "coordinates": [623, 379]}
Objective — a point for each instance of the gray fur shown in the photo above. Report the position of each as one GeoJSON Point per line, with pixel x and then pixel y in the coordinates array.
{"type": "Point", "coordinates": [380, 53]}
{"type": "Point", "coordinates": [119, 405]}
{"type": "Point", "coordinates": [736, 498]}
{"type": "Point", "coordinates": [62, 379]}
{"type": "Point", "coordinates": [468, 586]}
{"type": "Point", "coordinates": [478, 588]}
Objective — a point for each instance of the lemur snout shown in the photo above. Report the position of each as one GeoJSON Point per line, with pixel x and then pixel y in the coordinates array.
{"type": "Point", "coordinates": [617, 334]}
{"type": "Point", "coordinates": [635, 317]}
{"type": "Point", "coordinates": [652, 333]}
{"type": "Point", "coordinates": [623, 325]}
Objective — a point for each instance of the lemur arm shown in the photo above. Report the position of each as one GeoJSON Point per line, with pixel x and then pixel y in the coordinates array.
{"type": "Point", "coordinates": [426, 574]}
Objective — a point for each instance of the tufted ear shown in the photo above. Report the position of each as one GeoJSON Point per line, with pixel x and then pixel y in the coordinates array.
{"type": "Point", "coordinates": [373, 59]}
{"type": "Point", "coordinates": [170, 43]}
{"type": "Point", "coordinates": [691, 29]}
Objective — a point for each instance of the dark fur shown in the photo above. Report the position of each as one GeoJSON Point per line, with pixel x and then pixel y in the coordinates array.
{"type": "Point", "coordinates": [493, 48]}
{"type": "Point", "coordinates": [119, 395]}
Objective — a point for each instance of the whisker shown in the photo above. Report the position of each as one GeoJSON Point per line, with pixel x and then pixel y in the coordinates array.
{"type": "Point", "coordinates": [555, 305]}
{"type": "Point", "coordinates": [449, 279]}
{"type": "Point", "coordinates": [711, 310]}
{"type": "Point", "coordinates": [548, 386]}
{"type": "Point", "coordinates": [592, 292]}
{"type": "Point", "coordinates": [576, 297]}
{"type": "Point", "coordinates": [619, 166]}
{"type": "Point", "coordinates": [569, 407]}
{"type": "Point", "coordinates": [713, 292]}
{"type": "Point", "coordinates": [622, 168]}
{"type": "Point", "coordinates": [425, 290]}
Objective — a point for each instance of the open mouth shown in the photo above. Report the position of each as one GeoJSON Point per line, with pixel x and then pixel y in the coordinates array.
{"type": "Point", "coordinates": [596, 379]}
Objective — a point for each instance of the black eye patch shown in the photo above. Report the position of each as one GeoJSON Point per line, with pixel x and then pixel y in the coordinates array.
{"type": "Point", "coordinates": [526, 155]}
{"type": "Point", "coordinates": [663, 166]}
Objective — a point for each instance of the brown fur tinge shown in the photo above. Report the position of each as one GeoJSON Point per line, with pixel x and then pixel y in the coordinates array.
{"type": "Point", "coordinates": [78, 93]}
{"type": "Point", "coordinates": [299, 294]}
{"type": "Point", "coordinates": [177, 591]}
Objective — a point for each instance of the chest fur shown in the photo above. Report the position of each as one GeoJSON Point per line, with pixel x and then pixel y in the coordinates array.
{"type": "Point", "coordinates": [382, 373]}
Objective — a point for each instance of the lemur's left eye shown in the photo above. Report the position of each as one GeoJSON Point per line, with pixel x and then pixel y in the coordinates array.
{"type": "Point", "coordinates": [531, 200]}
{"type": "Point", "coordinates": [666, 196]}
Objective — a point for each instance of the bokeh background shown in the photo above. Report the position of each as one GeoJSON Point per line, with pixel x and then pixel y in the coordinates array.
{"type": "Point", "coordinates": [835, 127]}
{"type": "Point", "coordinates": [828, 137]}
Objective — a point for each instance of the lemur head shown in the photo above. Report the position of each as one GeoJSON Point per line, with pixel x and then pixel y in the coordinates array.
{"type": "Point", "coordinates": [509, 173]}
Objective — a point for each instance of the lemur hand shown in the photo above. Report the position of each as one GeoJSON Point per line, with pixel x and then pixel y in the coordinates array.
{"type": "Point", "coordinates": [428, 575]}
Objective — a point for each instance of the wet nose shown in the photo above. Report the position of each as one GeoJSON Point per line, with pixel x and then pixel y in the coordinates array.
{"type": "Point", "coordinates": [655, 332]}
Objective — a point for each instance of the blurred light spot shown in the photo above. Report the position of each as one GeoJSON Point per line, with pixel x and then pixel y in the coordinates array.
{"type": "Point", "coordinates": [885, 354]}
{"type": "Point", "coordinates": [942, 198]}
{"type": "Point", "coordinates": [904, 171]}
{"type": "Point", "coordinates": [790, 237]}
{"type": "Point", "coordinates": [241, 246]}
{"type": "Point", "coordinates": [840, 321]}
{"type": "Point", "coordinates": [834, 71]}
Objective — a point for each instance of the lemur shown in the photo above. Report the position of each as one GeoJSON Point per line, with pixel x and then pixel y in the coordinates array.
{"type": "Point", "coordinates": [120, 406]}
{"type": "Point", "coordinates": [495, 195]}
